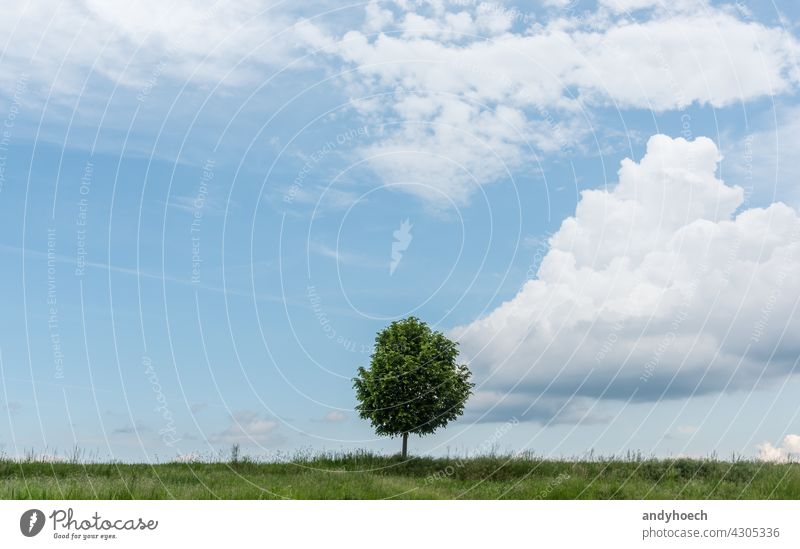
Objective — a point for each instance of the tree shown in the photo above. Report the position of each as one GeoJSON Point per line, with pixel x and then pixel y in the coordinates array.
{"type": "Point", "coordinates": [413, 384]}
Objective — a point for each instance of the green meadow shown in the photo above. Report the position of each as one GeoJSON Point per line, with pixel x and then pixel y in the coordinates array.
{"type": "Point", "coordinates": [368, 476]}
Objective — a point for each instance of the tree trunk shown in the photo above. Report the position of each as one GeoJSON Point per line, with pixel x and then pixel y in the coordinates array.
{"type": "Point", "coordinates": [405, 445]}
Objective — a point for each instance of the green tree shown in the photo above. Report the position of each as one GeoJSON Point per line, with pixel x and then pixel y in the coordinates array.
{"type": "Point", "coordinates": [413, 384]}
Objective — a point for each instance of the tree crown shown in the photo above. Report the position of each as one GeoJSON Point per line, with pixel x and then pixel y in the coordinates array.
{"type": "Point", "coordinates": [413, 384]}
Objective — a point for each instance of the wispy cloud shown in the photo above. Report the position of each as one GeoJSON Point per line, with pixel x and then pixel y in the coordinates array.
{"type": "Point", "coordinates": [143, 273]}
{"type": "Point", "coordinates": [209, 206]}
{"type": "Point", "coordinates": [144, 44]}
{"type": "Point", "coordinates": [346, 258]}
{"type": "Point", "coordinates": [322, 197]}
{"type": "Point", "coordinates": [249, 427]}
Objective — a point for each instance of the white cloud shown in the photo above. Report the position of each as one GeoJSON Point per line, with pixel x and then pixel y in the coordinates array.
{"type": "Point", "coordinates": [655, 288]}
{"type": "Point", "coordinates": [248, 427]}
{"type": "Point", "coordinates": [319, 196]}
{"type": "Point", "coordinates": [58, 44]}
{"type": "Point", "coordinates": [633, 5]}
{"type": "Point", "coordinates": [475, 89]}
{"type": "Point", "coordinates": [377, 18]}
{"type": "Point", "coordinates": [787, 451]}
{"type": "Point", "coordinates": [334, 416]}
{"type": "Point", "coordinates": [344, 257]}
{"type": "Point", "coordinates": [464, 110]}
{"type": "Point", "coordinates": [671, 62]}
{"type": "Point", "coordinates": [449, 155]}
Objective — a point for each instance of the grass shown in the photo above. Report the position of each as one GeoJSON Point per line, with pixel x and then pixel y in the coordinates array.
{"type": "Point", "coordinates": [361, 475]}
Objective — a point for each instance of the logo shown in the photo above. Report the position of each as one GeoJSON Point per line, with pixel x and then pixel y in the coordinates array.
{"type": "Point", "coordinates": [31, 522]}
{"type": "Point", "coordinates": [402, 238]}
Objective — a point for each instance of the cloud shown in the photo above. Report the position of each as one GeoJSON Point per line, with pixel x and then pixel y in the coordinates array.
{"type": "Point", "coordinates": [466, 93]}
{"type": "Point", "coordinates": [787, 451]}
{"type": "Point", "coordinates": [248, 427]}
{"type": "Point", "coordinates": [13, 407]}
{"type": "Point", "coordinates": [659, 287]}
{"type": "Point", "coordinates": [343, 257]}
{"type": "Point", "coordinates": [682, 431]}
{"type": "Point", "coordinates": [465, 102]}
{"type": "Point", "coordinates": [451, 147]}
{"type": "Point", "coordinates": [634, 5]}
{"type": "Point", "coordinates": [137, 44]}
{"type": "Point", "coordinates": [376, 18]}
{"type": "Point", "coordinates": [334, 416]}
{"type": "Point", "coordinates": [320, 196]}
{"type": "Point", "coordinates": [199, 206]}
{"type": "Point", "coordinates": [197, 407]}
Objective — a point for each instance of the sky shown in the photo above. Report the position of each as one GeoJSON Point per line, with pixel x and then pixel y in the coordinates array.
{"type": "Point", "coordinates": [209, 208]}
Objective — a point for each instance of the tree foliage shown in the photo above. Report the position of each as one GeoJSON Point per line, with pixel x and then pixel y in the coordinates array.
{"type": "Point", "coordinates": [413, 384]}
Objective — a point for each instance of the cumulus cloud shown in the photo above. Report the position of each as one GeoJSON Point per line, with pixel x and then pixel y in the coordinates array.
{"type": "Point", "coordinates": [468, 100]}
{"type": "Point", "coordinates": [788, 450]}
{"type": "Point", "coordinates": [249, 427]}
{"type": "Point", "coordinates": [335, 416]}
{"type": "Point", "coordinates": [661, 286]}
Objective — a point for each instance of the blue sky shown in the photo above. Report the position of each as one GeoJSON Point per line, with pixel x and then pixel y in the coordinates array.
{"type": "Point", "coordinates": [199, 203]}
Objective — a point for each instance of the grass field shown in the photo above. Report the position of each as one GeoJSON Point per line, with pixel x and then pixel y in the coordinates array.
{"type": "Point", "coordinates": [366, 476]}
